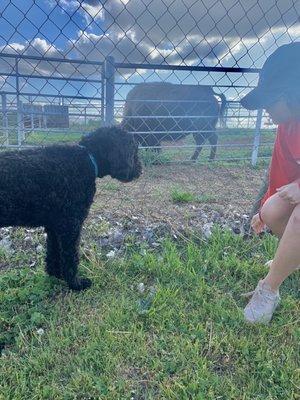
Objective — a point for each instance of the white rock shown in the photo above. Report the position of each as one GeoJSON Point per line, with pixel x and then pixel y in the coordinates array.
{"type": "Point", "coordinates": [206, 229]}
{"type": "Point", "coordinates": [141, 287]}
{"type": "Point", "coordinates": [39, 248]}
{"type": "Point", "coordinates": [111, 254]}
{"type": "Point", "coordinates": [40, 331]}
{"type": "Point", "coordinates": [5, 244]}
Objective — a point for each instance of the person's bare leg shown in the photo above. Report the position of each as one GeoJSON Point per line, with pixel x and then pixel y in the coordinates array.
{"type": "Point", "coordinates": [279, 216]}
{"type": "Point", "coordinates": [287, 256]}
{"type": "Point", "coordinates": [276, 213]}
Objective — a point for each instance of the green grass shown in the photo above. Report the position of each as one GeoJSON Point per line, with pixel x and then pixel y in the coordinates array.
{"type": "Point", "coordinates": [179, 196]}
{"type": "Point", "coordinates": [166, 155]}
{"type": "Point", "coordinates": [185, 339]}
{"type": "Point", "coordinates": [151, 157]}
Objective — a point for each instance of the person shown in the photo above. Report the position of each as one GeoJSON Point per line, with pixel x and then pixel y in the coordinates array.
{"type": "Point", "coordinates": [278, 92]}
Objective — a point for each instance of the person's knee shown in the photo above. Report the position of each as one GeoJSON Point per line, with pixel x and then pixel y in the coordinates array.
{"type": "Point", "coordinates": [275, 211]}
{"type": "Point", "coordinates": [269, 216]}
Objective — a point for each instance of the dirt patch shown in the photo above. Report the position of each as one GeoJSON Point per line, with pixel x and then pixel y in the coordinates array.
{"type": "Point", "coordinates": [146, 212]}
{"type": "Point", "coordinates": [227, 188]}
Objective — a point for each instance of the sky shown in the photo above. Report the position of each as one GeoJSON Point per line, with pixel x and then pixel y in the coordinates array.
{"type": "Point", "coordinates": [234, 33]}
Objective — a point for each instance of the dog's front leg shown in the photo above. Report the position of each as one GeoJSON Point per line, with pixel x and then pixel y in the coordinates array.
{"type": "Point", "coordinates": [68, 241]}
{"type": "Point", "coordinates": [53, 266]}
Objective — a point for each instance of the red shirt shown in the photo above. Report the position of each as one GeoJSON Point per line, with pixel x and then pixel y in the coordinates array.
{"type": "Point", "coordinates": [284, 168]}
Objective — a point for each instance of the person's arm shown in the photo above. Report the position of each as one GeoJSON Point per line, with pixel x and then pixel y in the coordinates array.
{"type": "Point", "coordinates": [291, 191]}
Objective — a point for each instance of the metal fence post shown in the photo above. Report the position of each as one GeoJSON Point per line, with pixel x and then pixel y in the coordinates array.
{"type": "Point", "coordinates": [20, 127]}
{"type": "Point", "coordinates": [109, 90]}
{"type": "Point", "coordinates": [31, 113]}
{"type": "Point", "coordinates": [256, 137]}
{"type": "Point", "coordinates": [102, 94]}
{"type": "Point", "coordinates": [4, 119]}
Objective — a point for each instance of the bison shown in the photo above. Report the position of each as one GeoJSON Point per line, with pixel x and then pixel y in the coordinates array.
{"type": "Point", "coordinates": [161, 111]}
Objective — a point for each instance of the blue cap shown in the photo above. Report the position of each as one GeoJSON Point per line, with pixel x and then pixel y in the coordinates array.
{"type": "Point", "coordinates": [280, 74]}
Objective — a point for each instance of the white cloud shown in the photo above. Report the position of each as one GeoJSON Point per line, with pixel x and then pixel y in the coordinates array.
{"type": "Point", "coordinates": [179, 32]}
{"type": "Point", "coordinates": [209, 32]}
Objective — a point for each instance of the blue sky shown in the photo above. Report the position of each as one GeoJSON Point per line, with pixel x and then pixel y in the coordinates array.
{"type": "Point", "coordinates": [24, 20]}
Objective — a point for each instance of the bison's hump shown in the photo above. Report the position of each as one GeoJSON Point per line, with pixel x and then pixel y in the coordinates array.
{"type": "Point", "coordinates": [169, 91]}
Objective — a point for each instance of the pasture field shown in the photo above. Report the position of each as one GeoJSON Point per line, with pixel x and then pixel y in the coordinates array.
{"type": "Point", "coordinates": [237, 142]}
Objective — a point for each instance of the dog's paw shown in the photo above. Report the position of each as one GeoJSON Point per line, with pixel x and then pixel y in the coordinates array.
{"type": "Point", "coordinates": [80, 284]}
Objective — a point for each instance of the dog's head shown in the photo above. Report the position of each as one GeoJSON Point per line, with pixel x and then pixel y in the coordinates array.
{"type": "Point", "coordinates": [116, 153]}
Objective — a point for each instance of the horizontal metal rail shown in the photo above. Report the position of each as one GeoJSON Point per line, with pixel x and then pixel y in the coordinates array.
{"type": "Point", "coordinates": [162, 101]}
{"type": "Point", "coordinates": [176, 116]}
{"type": "Point", "coordinates": [186, 68]}
{"type": "Point", "coordinates": [216, 160]}
{"type": "Point", "coordinates": [210, 85]}
{"type": "Point", "coordinates": [63, 131]}
{"type": "Point", "coordinates": [52, 77]}
{"type": "Point", "coordinates": [167, 132]}
{"type": "Point", "coordinates": [51, 95]}
{"type": "Point", "coordinates": [50, 59]}
{"type": "Point", "coordinates": [57, 115]}
{"type": "Point", "coordinates": [190, 146]}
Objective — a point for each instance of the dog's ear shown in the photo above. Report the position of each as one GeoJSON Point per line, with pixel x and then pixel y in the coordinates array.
{"type": "Point", "coordinates": [85, 138]}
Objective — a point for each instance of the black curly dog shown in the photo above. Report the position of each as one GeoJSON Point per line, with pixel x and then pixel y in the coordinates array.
{"type": "Point", "coordinates": [54, 187]}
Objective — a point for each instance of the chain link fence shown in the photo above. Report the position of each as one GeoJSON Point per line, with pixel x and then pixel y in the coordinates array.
{"type": "Point", "coordinates": [171, 72]}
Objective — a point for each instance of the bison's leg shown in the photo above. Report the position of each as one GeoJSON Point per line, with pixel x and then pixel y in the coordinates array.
{"type": "Point", "coordinates": [199, 139]}
{"type": "Point", "coordinates": [213, 140]}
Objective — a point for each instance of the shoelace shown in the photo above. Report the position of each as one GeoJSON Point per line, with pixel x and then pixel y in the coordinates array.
{"type": "Point", "coordinates": [258, 291]}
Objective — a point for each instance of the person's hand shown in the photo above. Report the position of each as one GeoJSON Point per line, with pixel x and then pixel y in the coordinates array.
{"type": "Point", "coordinates": [256, 224]}
{"type": "Point", "coordinates": [290, 193]}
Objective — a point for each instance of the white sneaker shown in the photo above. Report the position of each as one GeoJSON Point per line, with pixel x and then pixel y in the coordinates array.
{"type": "Point", "coordinates": [262, 305]}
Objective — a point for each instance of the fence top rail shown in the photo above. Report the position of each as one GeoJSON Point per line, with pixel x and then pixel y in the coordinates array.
{"type": "Point", "coordinates": [134, 65]}
{"type": "Point", "coordinates": [50, 59]}
{"type": "Point", "coordinates": [186, 68]}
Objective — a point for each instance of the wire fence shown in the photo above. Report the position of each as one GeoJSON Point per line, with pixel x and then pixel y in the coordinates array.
{"type": "Point", "coordinates": [38, 108]}
{"type": "Point", "coordinates": [67, 67]}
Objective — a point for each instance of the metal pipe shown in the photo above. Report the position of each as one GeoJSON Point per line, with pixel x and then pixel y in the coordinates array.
{"type": "Point", "coordinates": [256, 138]}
